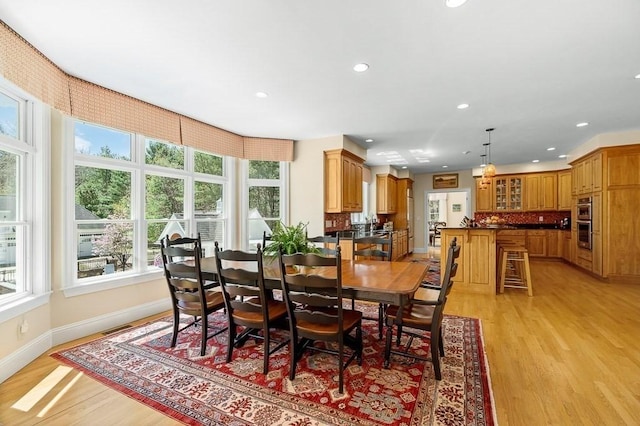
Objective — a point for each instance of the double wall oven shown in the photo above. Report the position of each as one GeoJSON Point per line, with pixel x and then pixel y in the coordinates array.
{"type": "Point", "coordinates": [584, 222]}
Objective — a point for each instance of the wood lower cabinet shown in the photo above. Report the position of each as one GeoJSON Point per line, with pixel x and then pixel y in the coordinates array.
{"type": "Point", "coordinates": [400, 242]}
{"type": "Point", "coordinates": [342, 181]}
{"type": "Point", "coordinates": [536, 243]}
{"type": "Point", "coordinates": [477, 261]}
{"type": "Point", "coordinates": [566, 243]}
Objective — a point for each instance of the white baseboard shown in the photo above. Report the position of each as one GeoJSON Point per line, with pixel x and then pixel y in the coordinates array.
{"type": "Point", "coordinates": [17, 360]}
{"type": "Point", "coordinates": [107, 321]}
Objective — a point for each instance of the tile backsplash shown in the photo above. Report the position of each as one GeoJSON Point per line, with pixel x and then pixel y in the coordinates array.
{"type": "Point", "coordinates": [548, 217]}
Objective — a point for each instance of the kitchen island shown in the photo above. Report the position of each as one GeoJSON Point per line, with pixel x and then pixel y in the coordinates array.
{"type": "Point", "coordinates": [477, 261]}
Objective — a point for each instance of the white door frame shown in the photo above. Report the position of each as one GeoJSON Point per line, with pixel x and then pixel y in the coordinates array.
{"type": "Point", "coordinates": [425, 224]}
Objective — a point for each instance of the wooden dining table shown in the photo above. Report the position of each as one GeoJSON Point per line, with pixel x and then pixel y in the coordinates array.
{"type": "Point", "coordinates": [368, 280]}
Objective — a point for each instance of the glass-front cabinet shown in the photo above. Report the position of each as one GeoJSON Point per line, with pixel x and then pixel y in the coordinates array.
{"type": "Point", "coordinates": [508, 193]}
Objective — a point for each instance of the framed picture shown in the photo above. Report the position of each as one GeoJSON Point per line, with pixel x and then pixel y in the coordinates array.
{"type": "Point", "coordinates": [445, 181]}
{"type": "Point", "coordinates": [456, 208]}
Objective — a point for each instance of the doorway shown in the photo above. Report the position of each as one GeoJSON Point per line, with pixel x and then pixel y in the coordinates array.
{"type": "Point", "coordinates": [445, 208]}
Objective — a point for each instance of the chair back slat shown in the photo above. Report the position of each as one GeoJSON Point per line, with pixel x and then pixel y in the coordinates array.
{"type": "Point", "coordinates": [324, 240]}
{"type": "Point", "coordinates": [310, 297]}
{"type": "Point", "coordinates": [242, 280]}
{"type": "Point", "coordinates": [380, 248]}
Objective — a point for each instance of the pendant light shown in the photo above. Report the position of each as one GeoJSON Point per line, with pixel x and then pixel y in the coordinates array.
{"type": "Point", "coordinates": [490, 170]}
{"type": "Point", "coordinates": [484, 181]}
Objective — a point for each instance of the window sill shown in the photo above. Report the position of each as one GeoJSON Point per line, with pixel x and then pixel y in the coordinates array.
{"type": "Point", "coordinates": [20, 306]}
{"type": "Point", "coordinates": [108, 284]}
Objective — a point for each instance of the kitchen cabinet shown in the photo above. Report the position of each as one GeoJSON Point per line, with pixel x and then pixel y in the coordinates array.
{"type": "Point", "coordinates": [342, 181]}
{"type": "Point", "coordinates": [399, 240]}
{"type": "Point", "coordinates": [566, 241]}
{"type": "Point", "coordinates": [587, 175]}
{"type": "Point", "coordinates": [508, 193]}
{"type": "Point", "coordinates": [554, 243]}
{"type": "Point", "coordinates": [484, 197]}
{"type": "Point", "coordinates": [536, 243]}
{"type": "Point", "coordinates": [477, 261]}
{"type": "Point", "coordinates": [564, 190]}
{"type": "Point", "coordinates": [404, 194]}
{"type": "Point", "coordinates": [386, 194]}
{"type": "Point", "coordinates": [541, 191]}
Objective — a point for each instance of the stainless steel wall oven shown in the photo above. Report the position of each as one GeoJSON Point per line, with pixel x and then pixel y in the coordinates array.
{"type": "Point", "coordinates": [584, 208]}
{"type": "Point", "coordinates": [584, 234]}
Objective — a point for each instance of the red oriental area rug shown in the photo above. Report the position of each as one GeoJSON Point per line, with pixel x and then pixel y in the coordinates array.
{"type": "Point", "coordinates": [206, 390]}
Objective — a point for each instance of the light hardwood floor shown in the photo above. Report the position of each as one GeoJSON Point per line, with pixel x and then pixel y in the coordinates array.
{"type": "Point", "coordinates": [569, 355]}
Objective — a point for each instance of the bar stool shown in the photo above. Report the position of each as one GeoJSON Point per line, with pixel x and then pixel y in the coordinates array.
{"type": "Point", "coordinates": [514, 270]}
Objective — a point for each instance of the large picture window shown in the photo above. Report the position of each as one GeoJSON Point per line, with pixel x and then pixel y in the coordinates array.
{"type": "Point", "coordinates": [23, 170]}
{"type": "Point", "coordinates": [266, 206]}
{"type": "Point", "coordinates": [131, 192]}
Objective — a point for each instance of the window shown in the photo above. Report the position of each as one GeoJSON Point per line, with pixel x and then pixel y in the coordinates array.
{"type": "Point", "coordinates": [24, 169]}
{"type": "Point", "coordinates": [265, 198]}
{"type": "Point", "coordinates": [131, 192]}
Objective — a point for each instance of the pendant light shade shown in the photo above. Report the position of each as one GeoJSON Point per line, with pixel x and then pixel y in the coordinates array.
{"type": "Point", "coordinates": [490, 170]}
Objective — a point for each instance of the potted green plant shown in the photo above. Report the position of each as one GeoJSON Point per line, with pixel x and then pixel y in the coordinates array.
{"type": "Point", "coordinates": [292, 239]}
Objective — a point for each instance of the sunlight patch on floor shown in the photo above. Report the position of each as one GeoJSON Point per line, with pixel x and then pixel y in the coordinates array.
{"type": "Point", "coordinates": [36, 393]}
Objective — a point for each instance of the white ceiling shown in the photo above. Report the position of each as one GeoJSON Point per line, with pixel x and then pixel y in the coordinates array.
{"type": "Point", "coordinates": [532, 69]}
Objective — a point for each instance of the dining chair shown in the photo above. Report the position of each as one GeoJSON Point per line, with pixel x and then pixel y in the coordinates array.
{"type": "Point", "coordinates": [423, 316]}
{"type": "Point", "coordinates": [247, 302]}
{"type": "Point", "coordinates": [375, 248]}
{"type": "Point", "coordinates": [190, 293]}
{"type": "Point", "coordinates": [324, 240]}
{"type": "Point", "coordinates": [315, 311]}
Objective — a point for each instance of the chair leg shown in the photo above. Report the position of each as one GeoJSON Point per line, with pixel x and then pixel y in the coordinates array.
{"type": "Point", "coordinates": [441, 343]}
{"type": "Point", "coordinates": [231, 340]}
{"type": "Point", "coordinates": [387, 346]}
{"type": "Point", "coordinates": [203, 332]}
{"type": "Point", "coordinates": [265, 367]}
{"type": "Point", "coordinates": [381, 308]}
{"type": "Point", "coordinates": [341, 367]}
{"type": "Point", "coordinates": [176, 324]}
{"type": "Point", "coordinates": [435, 355]}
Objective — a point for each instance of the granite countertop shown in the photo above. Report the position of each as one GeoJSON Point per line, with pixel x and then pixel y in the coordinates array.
{"type": "Point", "coordinates": [514, 226]}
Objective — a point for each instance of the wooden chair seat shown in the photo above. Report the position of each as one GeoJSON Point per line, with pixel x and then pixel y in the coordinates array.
{"type": "Point", "coordinates": [414, 315]}
{"type": "Point", "coordinates": [276, 310]}
{"type": "Point", "coordinates": [350, 319]}
{"type": "Point", "coordinates": [213, 299]}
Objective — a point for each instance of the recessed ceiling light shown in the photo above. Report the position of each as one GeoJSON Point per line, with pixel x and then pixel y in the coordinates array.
{"type": "Point", "coordinates": [362, 67]}
{"type": "Point", "coordinates": [444, 167]}
{"type": "Point", "coordinates": [368, 140]}
{"type": "Point", "coordinates": [404, 167]}
{"type": "Point", "coordinates": [262, 95]}
{"type": "Point", "coordinates": [562, 156]}
{"type": "Point", "coordinates": [637, 76]}
{"type": "Point", "coordinates": [483, 165]}
{"type": "Point", "coordinates": [454, 3]}
{"type": "Point", "coordinates": [463, 106]}
{"type": "Point", "coordinates": [551, 148]}
{"type": "Point", "coordinates": [535, 161]}
{"type": "Point", "coordinates": [466, 152]}
{"type": "Point", "coordinates": [584, 123]}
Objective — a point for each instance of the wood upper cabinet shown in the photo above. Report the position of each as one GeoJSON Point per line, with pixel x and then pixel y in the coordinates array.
{"type": "Point", "coordinates": [386, 194]}
{"type": "Point", "coordinates": [541, 191]}
{"type": "Point", "coordinates": [564, 190]}
{"type": "Point", "coordinates": [587, 175]}
{"type": "Point", "coordinates": [342, 181]}
{"type": "Point", "coordinates": [508, 193]}
{"type": "Point", "coordinates": [484, 197]}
